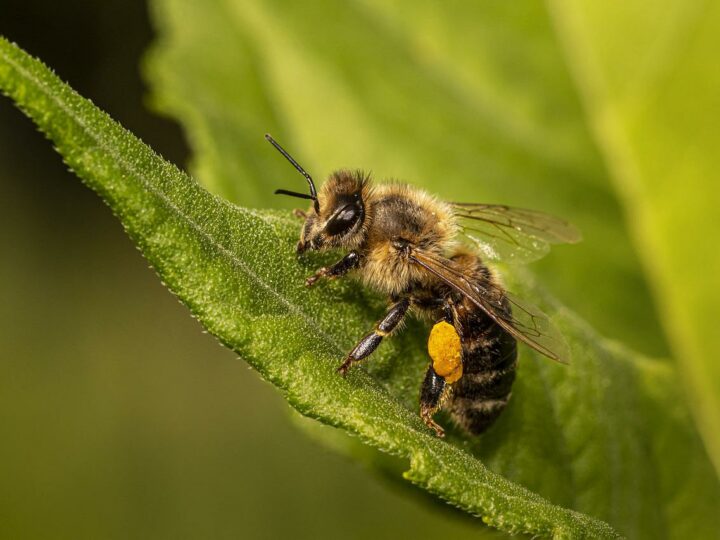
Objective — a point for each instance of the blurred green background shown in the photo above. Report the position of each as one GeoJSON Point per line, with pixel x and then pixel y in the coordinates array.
{"type": "Point", "coordinates": [120, 418]}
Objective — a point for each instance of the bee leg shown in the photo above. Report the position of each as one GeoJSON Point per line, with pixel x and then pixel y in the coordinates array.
{"type": "Point", "coordinates": [370, 342]}
{"type": "Point", "coordinates": [340, 268]}
{"type": "Point", "coordinates": [433, 392]}
{"type": "Point", "coordinates": [300, 214]}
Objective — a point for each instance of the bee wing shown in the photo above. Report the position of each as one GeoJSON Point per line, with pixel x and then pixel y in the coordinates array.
{"type": "Point", "coordinates": [523, 321]}
{"type": "Point", "coordinates": [512, 234]}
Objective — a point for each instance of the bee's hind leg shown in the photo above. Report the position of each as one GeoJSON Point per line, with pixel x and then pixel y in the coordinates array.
{"type": "Point", "coordinates": [370, 342]}
{"type": "Point", "coordinates": [433, 392]}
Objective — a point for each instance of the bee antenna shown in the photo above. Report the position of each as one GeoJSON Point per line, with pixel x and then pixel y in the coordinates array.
{"type": "Point", "coordinates": [313, 192]}
{"type": "Point", "coordinates": [294, 194]}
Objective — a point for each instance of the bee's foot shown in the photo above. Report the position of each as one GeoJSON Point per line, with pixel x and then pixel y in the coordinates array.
{"type": "Point", "coordinates": [426, 416]}
{"type": "Point", "coordinates": [323, 272]}
{"type": "Point", "coordinates": [300, 214]}
{"type": "Point", "coordinates": [343, 369]}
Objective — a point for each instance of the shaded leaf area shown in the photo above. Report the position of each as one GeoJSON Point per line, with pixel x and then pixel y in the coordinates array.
{"type": "Point", "coordinates": [471, 100]}
{"type": "Point", "coordinates": [651, 87]}
{"type": "Point", "coordinates": [594, 436]}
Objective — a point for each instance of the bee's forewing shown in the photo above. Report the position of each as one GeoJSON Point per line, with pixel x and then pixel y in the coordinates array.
{"type": "Point", "coordinates": [512, 234]}
{"type": "Point", "coordinates": [523, 321]}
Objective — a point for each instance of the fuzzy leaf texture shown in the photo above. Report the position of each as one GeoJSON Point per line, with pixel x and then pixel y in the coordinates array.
{"type": "Point", "coordinates": [598, 443]}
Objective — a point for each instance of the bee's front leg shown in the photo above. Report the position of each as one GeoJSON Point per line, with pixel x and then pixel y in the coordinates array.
{"type": "Point", "coordinates": [340, 268]}
{"type": "Point", "coordinates": [370, 342]}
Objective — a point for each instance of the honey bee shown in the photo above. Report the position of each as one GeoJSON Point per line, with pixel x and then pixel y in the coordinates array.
{"type": "Point", "coordinates": [403, 243]}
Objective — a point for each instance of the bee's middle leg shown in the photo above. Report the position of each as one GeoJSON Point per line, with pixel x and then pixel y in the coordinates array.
{"type": "Point", "coordinates": [370, 342]}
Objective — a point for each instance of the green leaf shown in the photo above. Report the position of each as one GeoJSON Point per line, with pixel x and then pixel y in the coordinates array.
{"type": "Point", "coordinates": [651, 87]}
{"type": "Point", "coordinates": [595, 436]}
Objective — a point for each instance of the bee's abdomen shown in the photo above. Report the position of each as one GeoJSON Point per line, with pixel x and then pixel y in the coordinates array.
{"type": "Point", "coordinates": [489, 363]}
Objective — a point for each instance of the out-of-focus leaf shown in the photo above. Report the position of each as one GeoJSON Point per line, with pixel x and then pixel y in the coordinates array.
{"type": "Point", "coordinates": [651, 86]}
{"type": "Point", "coordinates": [593, 436]}
{"type": "Point", "coordinates": [469, 99]}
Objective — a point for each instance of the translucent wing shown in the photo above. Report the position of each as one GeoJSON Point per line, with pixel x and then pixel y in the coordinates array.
{"type": "Point", "coordinates": [512, 234]}
{"type": "Point", "coordinates": [523, 321]}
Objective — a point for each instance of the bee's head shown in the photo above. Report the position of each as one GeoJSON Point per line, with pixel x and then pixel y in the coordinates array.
{"type": "Point", "coordinates": [338, 213]}
{"type": "Point", "coordinates": [338, 217]}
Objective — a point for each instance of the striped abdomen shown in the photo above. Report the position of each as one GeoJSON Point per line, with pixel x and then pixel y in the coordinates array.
{"type": "Point", "coordinates": [489, 362]}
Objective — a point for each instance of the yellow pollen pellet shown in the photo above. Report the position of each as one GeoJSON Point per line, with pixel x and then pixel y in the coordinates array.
{"type": "Point", "coordinates": [446, 351]}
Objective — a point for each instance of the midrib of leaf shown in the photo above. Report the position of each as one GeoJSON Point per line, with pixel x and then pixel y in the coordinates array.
{"type": "Point", "coordinates": [437, 466]}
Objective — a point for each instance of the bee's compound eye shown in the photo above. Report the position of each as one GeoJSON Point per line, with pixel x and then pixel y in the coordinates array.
{"type": "Point", "coordinates": [344, 219]}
